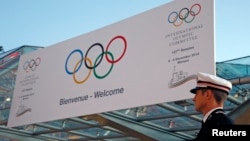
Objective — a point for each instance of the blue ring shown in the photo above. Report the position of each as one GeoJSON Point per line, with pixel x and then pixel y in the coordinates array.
{"type": "Point", "coordinates": [76, 50]}
{"type": "Point", "coordinates": [170, 21]}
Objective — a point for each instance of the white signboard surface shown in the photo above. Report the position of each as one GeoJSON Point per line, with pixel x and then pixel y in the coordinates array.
{"type": "Point", "coordinates": [146, 59]}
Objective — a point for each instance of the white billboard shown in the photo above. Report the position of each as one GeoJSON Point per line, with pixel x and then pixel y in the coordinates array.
{"type": "Point", "coordinates": [142, 60]}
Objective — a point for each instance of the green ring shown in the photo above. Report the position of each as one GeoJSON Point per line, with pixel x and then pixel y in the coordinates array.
{"type": "Point", "coordinates": [101, 77]}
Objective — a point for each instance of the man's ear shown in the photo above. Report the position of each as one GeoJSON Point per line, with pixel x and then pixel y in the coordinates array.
{"type": "Point", "coordinates": [209, 94]}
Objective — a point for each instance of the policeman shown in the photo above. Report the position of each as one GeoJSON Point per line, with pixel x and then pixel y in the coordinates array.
{"type": "Point", "coordinates": [210, 94]}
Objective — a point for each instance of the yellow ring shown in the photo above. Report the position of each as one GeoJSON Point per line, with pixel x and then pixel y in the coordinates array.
{"type": "Point", "coordinates": [74, 77]}
{"type": "Point", "coordinates": [176, 25]}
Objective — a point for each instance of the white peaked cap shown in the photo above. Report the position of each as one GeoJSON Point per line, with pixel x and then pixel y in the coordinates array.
{"type": "Point", "coordinates": [205, 80]}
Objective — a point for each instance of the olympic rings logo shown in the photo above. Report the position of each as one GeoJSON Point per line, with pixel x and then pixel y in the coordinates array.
{"type": "Point", "coordinates": [92, 66]}
{"type": "Point", "coordinates": [32, 64]}
{"type": "Point", "coordinates": [185, 14]}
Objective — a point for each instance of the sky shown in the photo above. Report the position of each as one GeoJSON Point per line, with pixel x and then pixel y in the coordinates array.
{"type": "Point", "coordinates": [47, 22]}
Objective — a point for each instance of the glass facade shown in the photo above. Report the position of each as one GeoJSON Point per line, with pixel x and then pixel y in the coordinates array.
{"type": "Point", "coordinates": [175, 120]}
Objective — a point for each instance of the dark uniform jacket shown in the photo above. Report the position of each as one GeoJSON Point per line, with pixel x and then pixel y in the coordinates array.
{"type": "Point", "coordinates": [216, 119]}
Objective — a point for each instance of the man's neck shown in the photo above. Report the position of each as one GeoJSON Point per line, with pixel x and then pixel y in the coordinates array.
{"type": "Point", "coordinates": [209, 112]}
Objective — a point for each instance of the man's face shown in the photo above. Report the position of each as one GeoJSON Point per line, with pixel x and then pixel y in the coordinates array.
{"type": "Point", "coordinates": [199, 100]}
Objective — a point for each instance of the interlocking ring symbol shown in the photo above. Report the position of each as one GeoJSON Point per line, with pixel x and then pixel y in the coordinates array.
{"type": "Point", "coordinates": [88, 62]}
{"type": "Point", "coordinates": [32, 64]}
{"type": "Point", "coordinates": [185, 14]}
